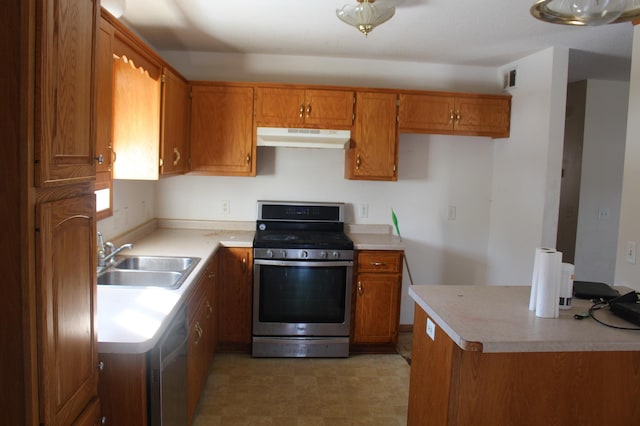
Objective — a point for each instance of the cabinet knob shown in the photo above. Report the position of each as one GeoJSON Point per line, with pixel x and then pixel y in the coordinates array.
{"type": "Point", "coordinates": [360, 288]}
{"type": "Point", "coordinates": [102, 420]}
{"type": "Point", "coordinates": [358, 162]}
{"type": "Point", "coordinates": [100, 159]}
{"type": "Point", "coordinates": [458, 117]}
{"type": "Point", "coordinates": [301, 111]}
{"type": "Point", "coordinates": [248, 158]}
{"type": "Point", "coordinates": [209, 310]}
{"type": "Point", "coordinates": [309, 110]}
{"type": "Point", "coordinates": [100, 366]}
{"type": "Point", "coordinates": [452, 116]}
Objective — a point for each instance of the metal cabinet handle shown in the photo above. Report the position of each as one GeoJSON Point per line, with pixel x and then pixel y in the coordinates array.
{"type": "Point", "coordinates": [244, 264]}
{"type": "Point", "coordinates": [360, 288]}
{"type": "Point", "coordinates": [458, 116]}
{"type": "Point", "coordinates": [101, 365]}
{"type": "Point", "coordinates": [309, 110]}
{"type": "Point", "coordinates": [209, 310]}
{"type": "Point", "coordinates": [378, 264]}
{"type": "Point", "coordinates": [452, 116]}
{"type": "Point", "coordinates": [198, 330]}
{"type": "Point", "coordinates": [114, 157]}
{"type": "Point", "coordinates": [176, 156]}
{"type": "Point", "coordinates": [301, 111]}
{"type": "Point", "coordinates": [248, 158]}
{"type": "Point", "coordinates": [100, 159]}
{"type": "Point", "coordinates": [358, 162]}
{"type": "Point", "coordinates": [211, 275]}
{"type": "Point", "coordinates": [102, 420]}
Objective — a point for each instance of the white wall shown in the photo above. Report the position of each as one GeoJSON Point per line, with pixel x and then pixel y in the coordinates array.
{"type": "Point", "coordinates": [435, 172]}
{"type": "Point", "coordinates": [527, 166]}
{"type": "Point", "coordinates": [627, 273]}
{"type": "Point", "coordinates": [605, 127]}
{"type": "Point", "coordinates": [134, 203]}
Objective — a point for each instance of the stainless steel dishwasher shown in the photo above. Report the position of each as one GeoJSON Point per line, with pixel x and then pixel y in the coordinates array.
{"type": "Point", "coordinates": [168, 375]}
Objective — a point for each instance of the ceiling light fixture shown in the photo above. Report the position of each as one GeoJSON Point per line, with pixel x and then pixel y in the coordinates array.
{"type": "Point", "coordinates": [365, 15]}
{"type": "Point", "coordinates": [586, 12]}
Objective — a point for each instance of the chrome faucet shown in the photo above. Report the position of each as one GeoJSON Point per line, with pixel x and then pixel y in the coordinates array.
{"type": "Point", "coordinates": [107, 251]}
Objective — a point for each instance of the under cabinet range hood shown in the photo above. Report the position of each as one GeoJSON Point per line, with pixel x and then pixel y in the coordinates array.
{"type": "Point", "coordinates": [303, 138]}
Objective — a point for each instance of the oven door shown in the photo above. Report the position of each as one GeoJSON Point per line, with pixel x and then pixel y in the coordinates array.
{"type": "Point", "coordinates": [302, 298]}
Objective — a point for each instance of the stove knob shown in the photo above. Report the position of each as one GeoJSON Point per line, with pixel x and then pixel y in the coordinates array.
{"type": "Point", "coordinates": [324, 254]}
{"type": "Point", "coordinates": [283, 254]}
{"type": "Point", "coordinates": [336, 255]}
{"type": "Point", "coordinates": [304, 254]}
{"type": "Point", "coordinates": [269, 253]}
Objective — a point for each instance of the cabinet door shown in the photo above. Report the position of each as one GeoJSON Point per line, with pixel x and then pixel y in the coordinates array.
{"type": "Point", "coordinates": [90, 416]}
{"type": "Point", "coordinates": [175, 124]}
{"type": "Point", "coordinates": [483, 116]}
{"type": "Point", "coordinates": [234, 299]}
{"type": "Point", "coordinates": [123, 389]}
{"type": "Point", "coordinates": [331, 109]}
{"type": "Point", "coordinates": [426, 113]}
{"type": "Point", "coordinates": [280, 107]}
{"type": "Point", "coordinates": [376, 318]}
{"type": "Point", "coordinates": [64, 107]}
{"type": "Point", "coordinates": [222, 136]}
{"type": "Point", "coordinates": [104, 98]}
{"type": "Point", "coordinates": [66, 308]}
{"type": "Point", "coordinates": [374, 143]}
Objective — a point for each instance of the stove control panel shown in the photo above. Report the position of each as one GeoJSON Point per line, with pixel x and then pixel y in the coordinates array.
{"type": "Point", "coordinates": [302, 254]}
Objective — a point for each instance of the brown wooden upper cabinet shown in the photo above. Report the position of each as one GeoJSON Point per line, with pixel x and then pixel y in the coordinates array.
{"type": "Point", "coordinates": [473, 115]}
{"type": "Point", "coordinates": [222, 133]}
{"type": "Point", "coordinates": [299, 107]}
{"type": "Point", "coordinates": [174, 143]}
{"type": "Point", "coordinates": [373, 154]}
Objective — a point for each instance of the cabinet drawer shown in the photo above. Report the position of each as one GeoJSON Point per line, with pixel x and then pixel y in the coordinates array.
{"type": "Point", "coordinates": [380, 261]}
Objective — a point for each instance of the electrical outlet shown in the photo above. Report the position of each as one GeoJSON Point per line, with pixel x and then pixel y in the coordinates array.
{"type": "Point", "coordinates": [452, 213]}
{"type": "Point", "coordinates": [632, 248]}
{"type": "Point", "coordinates": [603, 213]}
{"type": "Point", "coordinates": [226, 207]}
{"type": "Point", "coordinates": [363, 210]}
{"type": "Point", "coordinates": [431, 329]}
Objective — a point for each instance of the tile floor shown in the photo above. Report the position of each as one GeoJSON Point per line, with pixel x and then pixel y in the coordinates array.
{"type": "Point", "coordinates": [359, 390]}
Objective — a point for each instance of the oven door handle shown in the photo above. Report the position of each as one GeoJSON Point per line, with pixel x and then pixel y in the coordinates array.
{"type": "Point", "coordinates": [309, 264]}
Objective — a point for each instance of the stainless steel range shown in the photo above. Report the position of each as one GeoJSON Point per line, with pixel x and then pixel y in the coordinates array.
{"type": "Point", "coordinates": [303, 269]}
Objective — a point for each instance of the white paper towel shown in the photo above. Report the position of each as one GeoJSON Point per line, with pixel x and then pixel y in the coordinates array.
{"type": "Point", "coordinates": [566, 285]}
{"type": "Point", "coordinates": [545, 283]}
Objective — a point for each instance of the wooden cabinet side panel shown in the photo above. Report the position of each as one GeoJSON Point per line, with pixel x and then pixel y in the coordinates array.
{"type": "Point", "coordinates": [234, 299]}
{"type": "Point", "coordinates": [430, 381]}
{"type": "Point", "coordinates": [64, 106]}
{"type": "Point", "coordinates": [562, 388]}
{"type": "Point", "coordinates": [222, 133]}
{"type": "Point", "coordinates": [426, 113]}
{"type": "Point", "coordinates": [374, 144]}
{"type": "Point", "coordinates": [66, 305]}
{"type": "Point", "coordinates": [123, 389]}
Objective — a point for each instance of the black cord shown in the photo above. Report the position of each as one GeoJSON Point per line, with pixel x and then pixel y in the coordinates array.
{"type": "Point", "coordinates": [601, 305]}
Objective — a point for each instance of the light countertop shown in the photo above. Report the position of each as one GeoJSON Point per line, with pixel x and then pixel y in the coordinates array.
{"type": "Point", "coordinates": [131, 320]}
{"type": "Point", "coordinates": [497, 319]}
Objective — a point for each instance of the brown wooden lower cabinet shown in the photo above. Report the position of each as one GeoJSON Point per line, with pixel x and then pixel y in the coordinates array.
{"type": "Point", "coordinates": [234, 299]}
{"type": "Point", "coordinates": [123, 389]}
{"type": "Point", "coordinates": [451, 386]}
{"type": "Point", "coordinates": [376, 301]}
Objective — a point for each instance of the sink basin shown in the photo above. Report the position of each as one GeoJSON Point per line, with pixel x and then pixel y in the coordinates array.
{"type": "Point", "coordinates": [149, 271]}
{"type": "Point", "coordinates": [156, 263]}
{"type": "Point", "coordinates": [135, 278]}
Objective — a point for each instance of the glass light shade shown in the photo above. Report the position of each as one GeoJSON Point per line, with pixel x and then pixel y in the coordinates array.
{"type": "Point", "coordinates": [585, 12]}
{"type": "Point", "coordinates": [365, 15]}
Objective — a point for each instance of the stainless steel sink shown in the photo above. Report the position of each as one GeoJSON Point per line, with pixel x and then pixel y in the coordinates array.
{"type": "Point", "coordinates": [155, 263]}
{"type": "Point", "coordinates": [135, 278]}
{"type": "Point", "coordinates": [149, 271]}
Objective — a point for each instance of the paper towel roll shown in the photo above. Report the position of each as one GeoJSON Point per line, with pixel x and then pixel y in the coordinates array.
{"type": "Point", "coordinates": [566, 286]}
{"type": "Point", "coordinates": [536, 273]}
{"type": "Point", "coordinates": [548, 284]}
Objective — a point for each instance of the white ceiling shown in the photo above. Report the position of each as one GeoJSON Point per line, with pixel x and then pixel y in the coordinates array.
{"type": "Point", "coordinates": [461, 32]}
